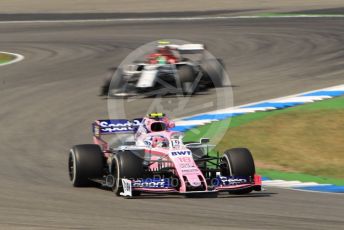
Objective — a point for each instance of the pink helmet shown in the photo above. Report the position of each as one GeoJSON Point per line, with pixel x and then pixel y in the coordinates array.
{"type": "Point", "coordinates": [157, 122]}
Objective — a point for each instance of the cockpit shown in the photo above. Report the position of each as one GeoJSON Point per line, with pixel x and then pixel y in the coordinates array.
{"type": "Point", "coordinates": [158, 126]}
{"type": "Point", "coordinates": [160, 140]}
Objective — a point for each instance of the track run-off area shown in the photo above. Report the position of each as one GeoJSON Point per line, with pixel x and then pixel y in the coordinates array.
{"type": "Point", "coordinates": [49, 100]}
{"type": "Point", "coordinates": [7, 58]}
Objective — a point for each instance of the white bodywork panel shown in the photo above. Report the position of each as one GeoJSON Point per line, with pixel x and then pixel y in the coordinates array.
{"type": "Point", "coordinates": [126, 188]}
{"type": "Point", "coordinates": [147, 78]}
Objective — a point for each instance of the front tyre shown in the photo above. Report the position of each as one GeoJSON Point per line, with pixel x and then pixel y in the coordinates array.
{"type": "Point", "coordinates": [84, 163]}
{"type": "Point", "coordinates": [126, 164]}
{"type": "Point", "coordinates": [238, 162]}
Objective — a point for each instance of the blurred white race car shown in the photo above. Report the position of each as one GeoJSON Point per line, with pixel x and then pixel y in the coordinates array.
{"type": "Point", "coordinates": [170, 69]}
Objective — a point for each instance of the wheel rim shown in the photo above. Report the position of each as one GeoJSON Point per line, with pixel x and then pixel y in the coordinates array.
{"type": "Point", "coordinates": [226, 171]}
{"type": "Point", "coordinates": [115, 176]}
{"type": "Point", "coordinates": [71, 167]}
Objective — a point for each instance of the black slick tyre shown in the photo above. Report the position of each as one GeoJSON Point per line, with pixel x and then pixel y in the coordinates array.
{"type": "Point", "coordinates": [213, 72]}
{"type": "Point", "coordinates": [238, 162]}
{"type": "Point", "coordinates": [186, 76]}
{"type": "Point", "coordinates": [84, 163]}
{"type": "Point", "coordinates": [126, 165]}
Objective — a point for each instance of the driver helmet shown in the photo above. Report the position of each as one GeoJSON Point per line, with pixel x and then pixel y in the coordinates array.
{"type": "Point", "coordinates": [161, 60]}
{"type": "Point", "coordinates": [157, 122]}
{"type": "Point", "coordinates": [155, 126]}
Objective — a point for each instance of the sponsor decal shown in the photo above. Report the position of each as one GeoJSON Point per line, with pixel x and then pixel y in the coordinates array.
{"type": "Point", "coordinates": [190, 170]}
{"type": "Point", "coordinates": [186, 165]}
{"type": "Point", "coordinates": [151, 183]}
{"type": "Point", "coordinates": [148, 141]}
{"type": "Point", "coordinates": [120, 125]}
{"type": "Point", "coordinates": [181, 153]}
{"type": "Point", "coordinates": [175, 143]}
{"type": "Point", "coordinates": [185, 160]}
{"type": "Point", "coordinates": [226, 181]}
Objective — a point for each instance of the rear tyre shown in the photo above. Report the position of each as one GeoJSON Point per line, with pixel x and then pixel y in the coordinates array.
{"type": "Point", "coordinates": [126, 165]}
{"type": "Point", "coordinates": [117, 84]}
{"type": "Point", "coordinates": [186, 78]}
{"type": "Point", "coordinates": [238, 162]}
{"type": "Point", "coordinates": [213, 72]}
{"type": "Point", "coordinates": [85, 162]}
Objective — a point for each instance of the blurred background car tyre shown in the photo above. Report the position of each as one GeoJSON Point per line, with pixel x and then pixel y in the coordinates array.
{"type": "Point", "coordinates": [213, 72]}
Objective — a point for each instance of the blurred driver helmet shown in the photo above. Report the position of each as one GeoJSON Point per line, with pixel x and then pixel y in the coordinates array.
{"type": "Point", "coordinates": [161, 60]}
{"type": "Point", "coordinates": [155, 126]}
{"type": "Point", "coordinates": [157, 122]}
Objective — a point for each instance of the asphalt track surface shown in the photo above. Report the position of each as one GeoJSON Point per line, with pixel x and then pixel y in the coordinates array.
{"type": "Point", "coordinates": [139, 6]}
{"type": "Point", "coordinates": [49, 100]}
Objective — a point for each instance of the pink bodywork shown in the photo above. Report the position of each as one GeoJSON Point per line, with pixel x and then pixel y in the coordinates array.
{"type": "Point", "coordinates": [177, 156]}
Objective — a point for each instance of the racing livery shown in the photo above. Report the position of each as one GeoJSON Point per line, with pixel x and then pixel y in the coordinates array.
{"type": "Point", "coordinates": [157, 160]}
{"type": "Point", "coordinates": [170, 69]}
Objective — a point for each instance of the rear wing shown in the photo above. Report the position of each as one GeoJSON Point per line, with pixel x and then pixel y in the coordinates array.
{"type": "Point", "coordinates": [190, 47]}
{"type": "Point", "coordinates": [186, 48]}
{"type": "Point", "coordinates": [104, 127]}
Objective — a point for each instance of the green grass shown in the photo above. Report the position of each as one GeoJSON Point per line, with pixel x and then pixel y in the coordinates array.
{"type": "Point", "coordinates": [217, 127]}
{"type": "Point", "coordinates": [4, 58]}
{"type": "Point", "coordinates": [306, 139]}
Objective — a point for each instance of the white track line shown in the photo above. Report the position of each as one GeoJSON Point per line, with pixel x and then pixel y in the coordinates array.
{"type": "Point", "coordinates": [295, 185]}
{"type": "Point", "coordinates": [195, 122]}
{"type": "Point", "coordinates": [18, 58]}
{"type": "Point", "coordinates": [172, 19]}
{"type": "Point", "coordinates": [286, 184]}
{"type": "Point", "coordinates": [304, 99]}
{"type": "Point", "coordinates": [239, 107]}
{"type": "Point", "coordinates": [340, 87]}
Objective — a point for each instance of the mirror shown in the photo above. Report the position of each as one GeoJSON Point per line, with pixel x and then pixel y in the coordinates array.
{"type": "Point", "coordinates": [204, 140]}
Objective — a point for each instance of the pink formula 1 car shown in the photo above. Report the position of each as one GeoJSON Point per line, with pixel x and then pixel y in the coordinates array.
{"type": "Point", "coordinates": [156, 160]}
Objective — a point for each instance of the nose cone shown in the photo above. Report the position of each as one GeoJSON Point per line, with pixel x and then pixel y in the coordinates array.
{"type": "Point", "coordinates": [193, 180]}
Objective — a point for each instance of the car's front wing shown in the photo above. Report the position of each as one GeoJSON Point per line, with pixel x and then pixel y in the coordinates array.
{"type": "Point", "coordinates": [220, 184]}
